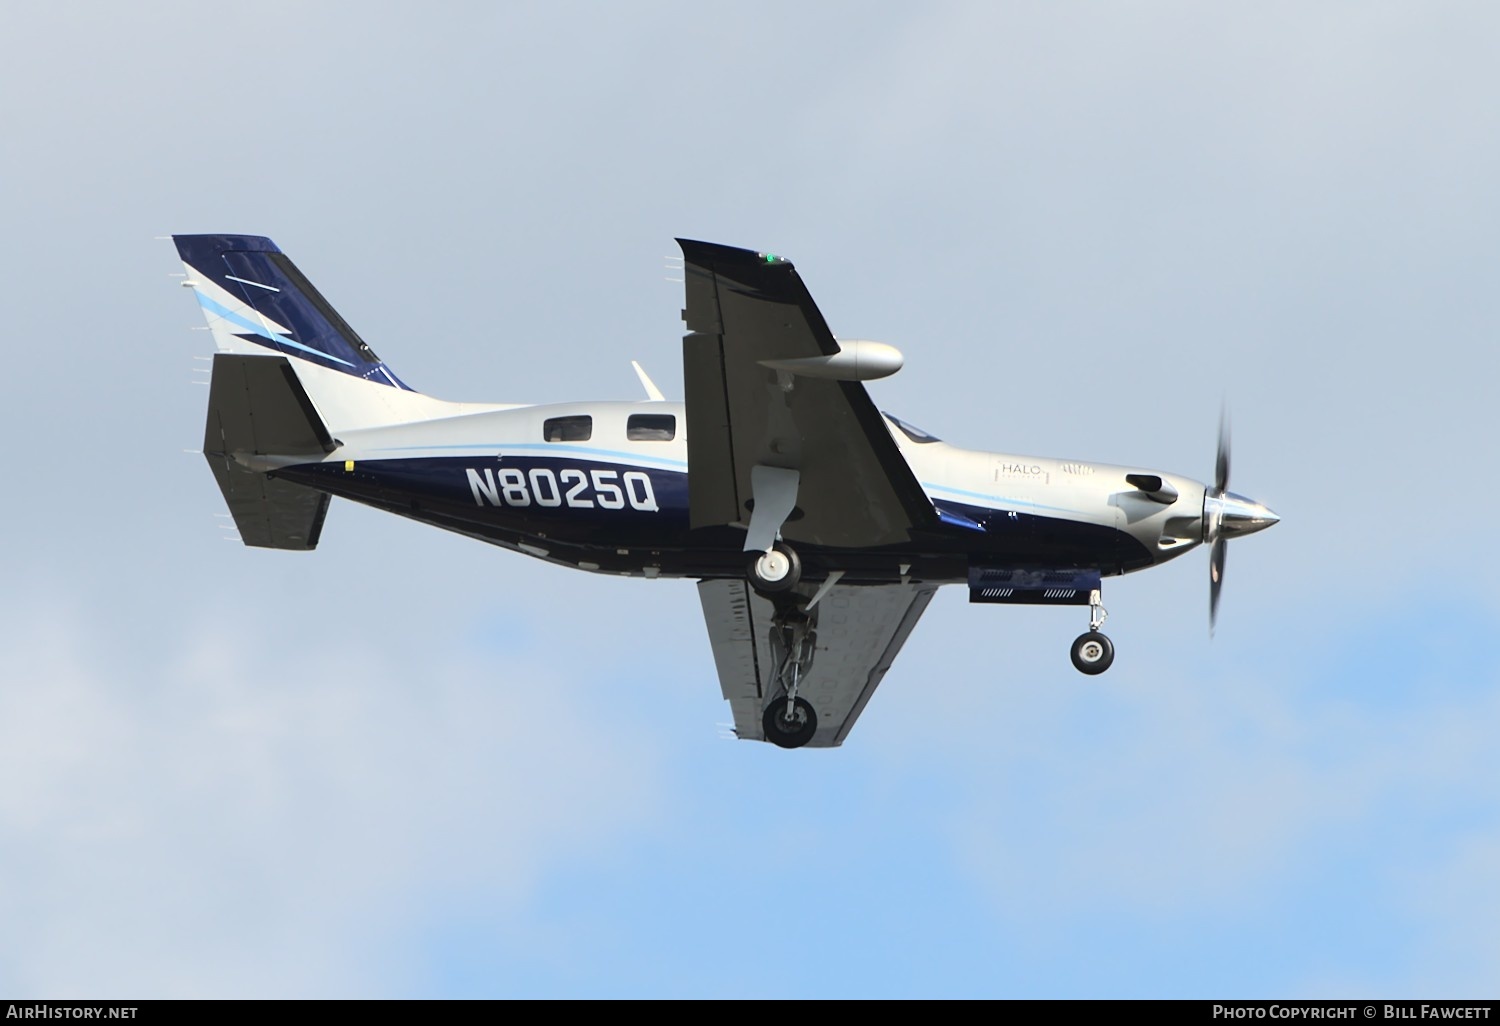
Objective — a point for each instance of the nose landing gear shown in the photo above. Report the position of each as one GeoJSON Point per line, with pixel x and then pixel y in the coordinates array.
{"type": "Point", "coordinates": [1092, 652]}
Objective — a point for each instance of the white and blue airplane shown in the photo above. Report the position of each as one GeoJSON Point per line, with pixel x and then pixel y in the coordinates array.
{"type": "Point", "coordinates": [817, 527]}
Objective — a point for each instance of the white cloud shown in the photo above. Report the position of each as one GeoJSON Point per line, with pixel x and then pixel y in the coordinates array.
{"type": "Point", "coordinates": [264, 820]}
{"type": "Point", "coordinates": [1162, 798]}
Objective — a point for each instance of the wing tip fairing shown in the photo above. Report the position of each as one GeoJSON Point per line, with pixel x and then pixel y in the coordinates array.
{"type": "Point", "coordinates": [696, 251]}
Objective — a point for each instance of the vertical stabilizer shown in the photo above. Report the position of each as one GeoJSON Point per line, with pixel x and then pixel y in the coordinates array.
{"type": "Point", "coordinates": [256, 300]}
{"type": "Point", "coordinates": [258, 303]}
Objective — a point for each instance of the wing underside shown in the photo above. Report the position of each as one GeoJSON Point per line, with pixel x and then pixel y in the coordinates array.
{"type": "Point", "coordinates": [859, 631]}
{"type": "Point", "coordinates": [745, 310]}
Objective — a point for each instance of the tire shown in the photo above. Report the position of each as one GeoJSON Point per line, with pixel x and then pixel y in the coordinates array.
{"type": "Point", "coordinates": [774, 571]}
{"type": "Point", "coordinates": [793, 733]}
{"type": "Point", "coordinates": [1092, 653]}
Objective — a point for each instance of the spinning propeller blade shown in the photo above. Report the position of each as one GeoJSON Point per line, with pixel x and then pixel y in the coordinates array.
{"type": "Point", "coordinates": [1221, 462]}
{"type": "Point", "coordinates": [1226, 515]}
{"type": "Point", "coordinates": [1215, 581]}
{"type": "Point", "coordinates": [1216, 552]}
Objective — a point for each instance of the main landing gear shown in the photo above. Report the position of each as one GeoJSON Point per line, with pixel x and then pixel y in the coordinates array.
{"type": "Point", "coordinates": [789, 721]}
{"type": "Point", "coordinates": [777, 570]}
{"type": "Point", "coordinates": [1092, 652]}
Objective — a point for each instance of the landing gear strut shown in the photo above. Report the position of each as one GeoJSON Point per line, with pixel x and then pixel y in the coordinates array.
{"type": "Point", "coordinates": [1092, 652]}
{"type": "Point", "coordinates": [789, 720]}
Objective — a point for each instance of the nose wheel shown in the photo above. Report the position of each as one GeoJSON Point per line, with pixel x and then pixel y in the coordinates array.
{"type": "Point", "coordinates": [1092, 652]}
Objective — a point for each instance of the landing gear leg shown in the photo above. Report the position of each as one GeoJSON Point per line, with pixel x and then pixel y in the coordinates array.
{"type": "Point", "coordinates": [1092, 652]}
{"type": "Point", "coordinates": [774, 566]}
{"type": "Point", "coordinates": [789, 720]}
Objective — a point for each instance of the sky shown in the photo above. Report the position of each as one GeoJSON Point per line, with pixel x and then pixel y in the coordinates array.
{"type": "Point", "coordinates": [409, 765]}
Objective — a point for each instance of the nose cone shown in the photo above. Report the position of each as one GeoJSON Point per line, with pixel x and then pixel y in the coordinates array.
{"type": "Point", "coordinates": [1242, 516]}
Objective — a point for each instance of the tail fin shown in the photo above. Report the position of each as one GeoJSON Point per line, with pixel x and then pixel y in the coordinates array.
{"type": "Point", "coordinates": [290, 377]}
{"type": "Point", "coordinates": [258, 304]}
{"type": "Point", "coordinates": [256, 300]}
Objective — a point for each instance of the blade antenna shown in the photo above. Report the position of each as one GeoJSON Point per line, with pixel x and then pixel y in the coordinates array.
{"type": "Point", "coordinates": [652, 392]}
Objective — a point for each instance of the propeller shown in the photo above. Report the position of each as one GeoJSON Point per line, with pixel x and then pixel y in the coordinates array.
{"type": "Point", "coordinates": [1216, 552]}
{"type": "Point", "coordinates": [1226, 515]}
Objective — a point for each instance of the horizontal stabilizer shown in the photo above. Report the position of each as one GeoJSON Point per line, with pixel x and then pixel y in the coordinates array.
{"type": "Point", "coordinates": [270, 514]}
{"type": "Point", "coordinates": [259, 415]}
{"type": "Point", "coordinates": [256, 406]}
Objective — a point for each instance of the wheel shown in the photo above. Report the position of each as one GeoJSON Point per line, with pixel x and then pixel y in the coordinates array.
{"type": "Point", "coordinates": [1092, 653]}
{"type": "Point", "coordinates": [789, 732]}
{"type": "Point", "coordinates": [777, 570]}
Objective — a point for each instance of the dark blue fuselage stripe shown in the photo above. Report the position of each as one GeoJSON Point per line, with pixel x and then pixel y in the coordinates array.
{"type": "Point", "coordinates": [603, 514]}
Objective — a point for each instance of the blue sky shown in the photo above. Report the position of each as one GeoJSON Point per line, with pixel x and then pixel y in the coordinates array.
{"type": "Point", "coordinates": [409, 765]}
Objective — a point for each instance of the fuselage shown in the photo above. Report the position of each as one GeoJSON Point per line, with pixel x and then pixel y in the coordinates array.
{"type": "Point", "coordinates": [603, 487]}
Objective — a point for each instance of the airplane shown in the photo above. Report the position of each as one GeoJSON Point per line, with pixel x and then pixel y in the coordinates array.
{"type": "Point", "coordinates": [818, 527]}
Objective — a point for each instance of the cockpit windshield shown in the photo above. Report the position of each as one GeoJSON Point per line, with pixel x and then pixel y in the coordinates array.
{"type": "Point", "coordinates": [913, 432]}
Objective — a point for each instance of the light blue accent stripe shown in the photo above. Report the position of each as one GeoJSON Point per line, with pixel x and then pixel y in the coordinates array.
{"type": "Point", "coordinates": [558, 448]}
{"type": "Point", "coordinates": [568, 447]}
{"type": "Point", "coordinates": [995, 498]}
{"type": "Point", "coordinates": [260, 329]}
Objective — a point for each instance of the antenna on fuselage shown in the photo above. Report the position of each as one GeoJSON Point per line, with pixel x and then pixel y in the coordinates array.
{"type": "Point", "coordinates": [652, 392]}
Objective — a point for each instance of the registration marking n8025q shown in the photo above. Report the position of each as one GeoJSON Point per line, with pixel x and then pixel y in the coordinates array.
{"type": "Point", "coordinates": [570, 486]}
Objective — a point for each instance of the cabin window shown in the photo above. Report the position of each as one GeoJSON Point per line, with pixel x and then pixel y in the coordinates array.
{"type": "Point", "coordinates": [568, 429]}
{"type": "Point", "coordinates": [651, 427]}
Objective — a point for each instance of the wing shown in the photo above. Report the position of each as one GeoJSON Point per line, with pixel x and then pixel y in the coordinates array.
{"type": "Point", "coordinates": [859, 631]}
{"type": "Point", "coordinates": [743, 309]}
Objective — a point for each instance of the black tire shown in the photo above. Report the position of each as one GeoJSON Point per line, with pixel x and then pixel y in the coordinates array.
{"type": "Point", "coordinates": [1092, 653]}
{"type": "Point", "coordinates": [789, 733]}
{"type": "Point", "coordinates": [764, 567]}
